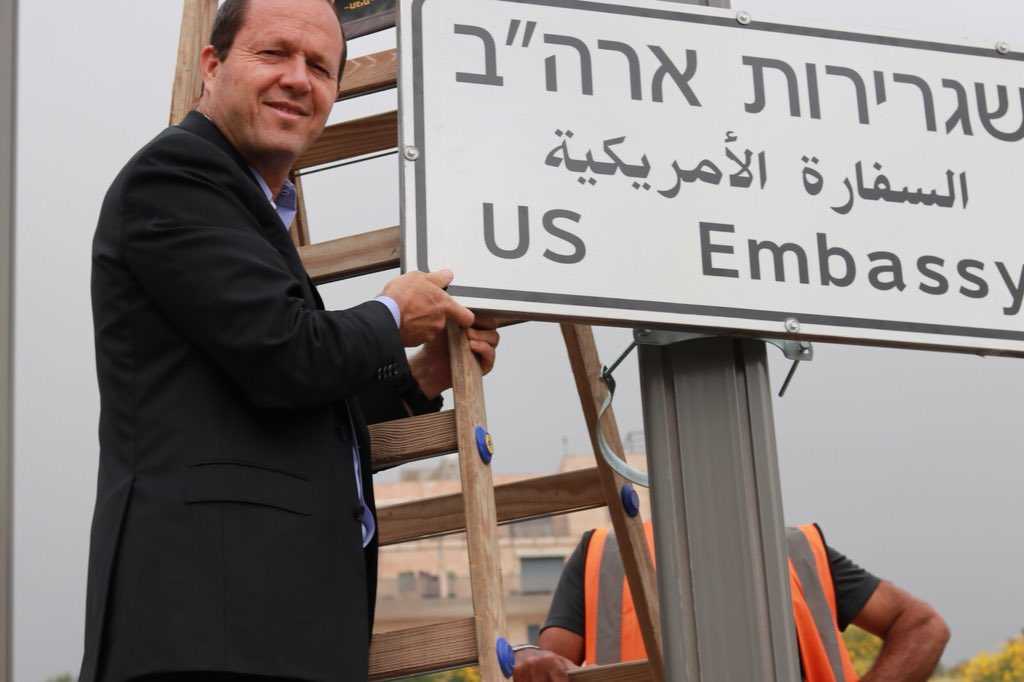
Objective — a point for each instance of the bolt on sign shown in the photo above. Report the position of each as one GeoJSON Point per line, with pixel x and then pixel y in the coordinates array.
{"type": "Point", "coordinates": [654, 163]}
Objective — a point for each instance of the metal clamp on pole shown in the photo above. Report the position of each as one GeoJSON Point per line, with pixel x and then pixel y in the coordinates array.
{"type": "Point", "coordinates": [618, 465]}
{"type": "Point", "coordinates": [797, 351]}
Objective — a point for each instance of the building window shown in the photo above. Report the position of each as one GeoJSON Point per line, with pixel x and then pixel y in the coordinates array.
{"type": "Point", "coordinates": [539, 575]}
{"type": "Point", "coordinates": [406, 582]}
{"type": "Point", "coordinates": [430, 585]}
{"type": "Point", "coordinates": [419, 584]}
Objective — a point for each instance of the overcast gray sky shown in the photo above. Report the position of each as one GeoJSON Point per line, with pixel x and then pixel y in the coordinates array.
{"type": "Point", "coordinates": [911, 461]}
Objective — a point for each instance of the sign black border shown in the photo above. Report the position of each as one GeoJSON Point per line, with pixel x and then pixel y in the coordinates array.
{"type": "Point", "coordinates": [662, 306]}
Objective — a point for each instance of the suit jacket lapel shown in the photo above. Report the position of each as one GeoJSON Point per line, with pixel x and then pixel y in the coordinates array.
{"type": "Point", "coordinates": [268, 222]}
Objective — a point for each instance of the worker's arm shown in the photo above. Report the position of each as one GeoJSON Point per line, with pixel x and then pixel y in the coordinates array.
{"type": "Point", "coordinates": [913, 634]}
{"type": "Point", "coordinates": [560, 651]}
{"type": "Point", "coordinates": [561, 641]}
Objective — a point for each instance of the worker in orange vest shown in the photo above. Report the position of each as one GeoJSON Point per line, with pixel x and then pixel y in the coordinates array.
{"type": "Point", "coordinates": [592, 621]}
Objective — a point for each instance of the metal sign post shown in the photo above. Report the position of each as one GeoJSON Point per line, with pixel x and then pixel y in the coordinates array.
{"type": "Point", "coordinates": [8, 76]}
{"type": "Point", "coordinates": [717, 507]}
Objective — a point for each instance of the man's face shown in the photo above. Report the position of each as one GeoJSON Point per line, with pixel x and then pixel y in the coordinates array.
{"type": "Point", "coordinates": [272, 94]}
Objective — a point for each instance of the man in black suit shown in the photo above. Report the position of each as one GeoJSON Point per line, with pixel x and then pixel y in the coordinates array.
{"type": "Point", "coordinates": [233, 533]}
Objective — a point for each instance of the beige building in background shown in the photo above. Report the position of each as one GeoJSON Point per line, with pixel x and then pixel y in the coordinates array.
{"type": "Point", "coordinates": [427, 581]}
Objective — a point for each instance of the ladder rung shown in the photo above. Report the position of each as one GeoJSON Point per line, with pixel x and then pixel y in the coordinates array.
{"type": "Point", "coordinates": [556, 494]}
{"type": "Point", "coordinates": [407, 440]}
{"type": "Point", "coordinates": [634, 671]}
{"type": "Point", "coordinates": [421, 649]}
{"type": "Point", "coordinates": [352, 138]}
{"type": "Point", "coordinates": [359, 254]}
{"type": "Point", "coordinates": [369, 73]}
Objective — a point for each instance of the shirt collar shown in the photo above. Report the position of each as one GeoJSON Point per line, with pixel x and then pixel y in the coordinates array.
{"type": "Point", "coordinates": [285, 203]}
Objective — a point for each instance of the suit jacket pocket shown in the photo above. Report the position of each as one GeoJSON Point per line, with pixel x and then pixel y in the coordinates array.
{"type": "Point", "coordinates": [249, 484]}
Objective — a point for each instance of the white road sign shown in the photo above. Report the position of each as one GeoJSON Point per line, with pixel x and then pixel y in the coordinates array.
{"type": "Point", "coordinates": [658, 163]}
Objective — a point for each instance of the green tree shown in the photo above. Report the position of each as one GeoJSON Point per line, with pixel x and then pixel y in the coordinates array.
{"type": "Point", "coordinates": [66, 677]}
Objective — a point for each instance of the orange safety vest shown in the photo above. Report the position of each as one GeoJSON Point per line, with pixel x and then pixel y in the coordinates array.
{"type": "Point", "coordinates": [612, 632]}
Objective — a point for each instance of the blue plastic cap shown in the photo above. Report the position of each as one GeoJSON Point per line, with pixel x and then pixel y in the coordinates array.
{"type": "Point", "coordinates": [506, 657]}
{"type": "Point", "coordinates": [484, 444]}
{"type": "Point", "coordinates": [630, 500]}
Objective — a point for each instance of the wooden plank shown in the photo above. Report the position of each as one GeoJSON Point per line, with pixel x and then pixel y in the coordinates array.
{"type": "Point", "coordinates": [478, 502]}
{"type": "Point", "coordinates": [636, 559]}
{"type": "Point", "coordinates": [634, 671]}
{"type": "Point", "coordinates": [346, 257]}
{"type": "Point", "coordinates": [369, 73]}
{"type": "Point", "coordinates": [299, 229]}
{"type": "Point", "coordinates": [407, 440]}
{"type": "Point", "coordinates": [421, 649]}
{"type": "Point", "coordinates": [196, 23]}
{"type": "Point", "coordinates": [352, 138]}
{"type": "Point", "coordinates": [541, 496]}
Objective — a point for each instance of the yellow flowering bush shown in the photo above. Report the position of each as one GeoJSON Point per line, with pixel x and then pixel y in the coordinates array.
{"type": "Point", "coordinates": [863, 647]}
{"type": "Point", "coordinates": [1005, 665]}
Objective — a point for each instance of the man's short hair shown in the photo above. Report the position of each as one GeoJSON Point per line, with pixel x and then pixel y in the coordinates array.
{"type": "Point", "coordinates": [231, 16]}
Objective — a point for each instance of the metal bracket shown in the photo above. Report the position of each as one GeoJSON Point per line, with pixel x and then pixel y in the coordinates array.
{"type": "Point", "coordinates": [802, 351]}
{"type": "Point", "coordinates": [797, 351]}
{"type": "Point", "coordinates": [617, 464]}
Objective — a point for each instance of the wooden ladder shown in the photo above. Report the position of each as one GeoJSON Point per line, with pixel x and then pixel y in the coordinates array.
{"type": "Point", "coordinates": [481, 506]}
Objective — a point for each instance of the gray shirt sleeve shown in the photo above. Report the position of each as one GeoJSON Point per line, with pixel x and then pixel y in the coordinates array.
{"type": "Point", "coordinates": [853, 585]}
{"type": "Point", "coordinates": [569, 603]}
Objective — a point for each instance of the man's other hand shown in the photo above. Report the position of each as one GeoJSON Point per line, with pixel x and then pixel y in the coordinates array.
{"type": "Point", "coordinates": [538, 665]}
{"type": "Point", "coordinates": [431, 366]}
{"type": "Point", "coordinates": [483, 341]}
{"type": "Point", "coordinates": [425, 306]}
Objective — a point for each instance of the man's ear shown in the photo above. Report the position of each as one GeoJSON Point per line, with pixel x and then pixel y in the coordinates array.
{"type": "Point", "coordinates": [209, 66]}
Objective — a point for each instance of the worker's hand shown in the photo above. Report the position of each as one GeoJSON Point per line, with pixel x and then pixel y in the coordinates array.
{"type": "Point", "coordinates": [425, 306]}
{"type": "Point", "coordinates": [538, 665]}
{"type": "Point", "coordinates": [483, 341]}
{"type": "Point", "coordinates": [431, 366]}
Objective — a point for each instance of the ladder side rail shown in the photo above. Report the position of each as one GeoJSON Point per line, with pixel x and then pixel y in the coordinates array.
{"type": "Point", "coordinates": [629, 531]}
{"type": "Point", "coordinates": [196, 24]}
{"type": "Point", "coordinates": [299, 229]}
{"type": "Point", "coordinates": [478, 501]}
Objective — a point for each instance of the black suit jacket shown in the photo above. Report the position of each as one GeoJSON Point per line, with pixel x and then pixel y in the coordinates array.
{"type": "Point", "coordinates": [226, 532]}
